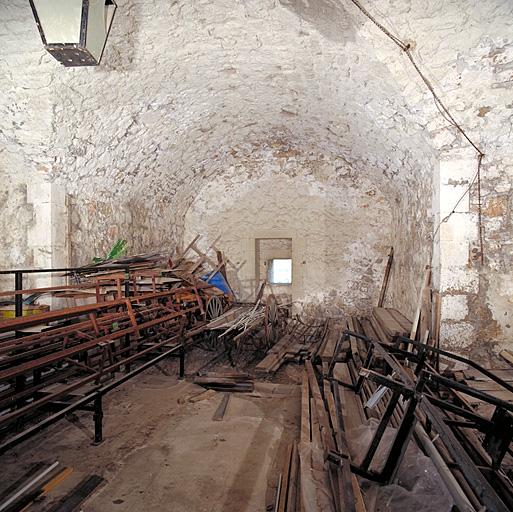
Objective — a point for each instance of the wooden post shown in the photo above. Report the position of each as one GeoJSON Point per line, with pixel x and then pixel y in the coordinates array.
{"type": "Point", "coordinates": [385, 278]}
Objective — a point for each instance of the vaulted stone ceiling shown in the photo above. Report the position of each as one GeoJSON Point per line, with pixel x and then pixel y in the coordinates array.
{"type": "Point", "coordinates": [199, 96]}
{"type": "Point", "coordinates": [185, 89]}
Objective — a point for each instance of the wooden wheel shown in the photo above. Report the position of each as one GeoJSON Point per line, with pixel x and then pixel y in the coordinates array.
{"type": "Point", "coordinates": [213, 309]}
{"type": "Point", "coordinates": [271, 321]}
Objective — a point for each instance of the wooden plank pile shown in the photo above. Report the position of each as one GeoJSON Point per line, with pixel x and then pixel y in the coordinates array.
{"type": "Point", "coordinates": [324, 486]}
{"type": "Point", "coordinates": [234, 381]}
{"type": "Point", "coordinates": [39, 482]}
{"type": "Point", "coordinates": [194, 265]}
{"type": "Point", "coordinates": [337, 397]}
{"type": "Point", "coordinates": [136, 263]}
{"type": "Point", "coordinates": [297, 344]}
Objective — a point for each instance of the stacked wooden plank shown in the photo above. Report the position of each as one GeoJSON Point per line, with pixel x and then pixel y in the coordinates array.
{"type": "Point", "coordinates": [484, 383]}
{"type": "Point", "coordinates": [226, 381]}
{"type": "Point", "coordinates": [324, 486]}
{"type": "Point", "coordinates": [138, 262]}
{"type": "Point", "coordinates": [384, 325]}
{"type": "Point", "coordinates": [389, 323]}
{"type": "Point", "coordinates": [297, 344]}
{"type": "Point", "coordinates": [37, 485]}
{"type": "Point", "coordinates": [369, 400]}
{"type": "Point", "coordinates": [335, 332]}
{"type": "Point", "coordinates": [287, 497]}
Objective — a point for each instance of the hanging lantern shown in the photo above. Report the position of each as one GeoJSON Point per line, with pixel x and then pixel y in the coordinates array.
{"type": "Point", "coordinates": [74, 31]}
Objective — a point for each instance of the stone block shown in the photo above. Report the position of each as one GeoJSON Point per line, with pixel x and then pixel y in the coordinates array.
{"type": "Point", "coordinates": [496, 206]}
{"type": "Point", "coordinates": [457, 170]}
{"type": "Point", "coordinates": [454, 253]}
{"type": "Point", "coordinates": [458, 228]}
{"type": "Point", "coordinates": [457, 337]}
{"type": "Point", "coordinates": [459, 278]}
{"type": "Point", "coordinates": [39, 192]}
{"type": "Point", "coordinates": [450, 196]}
{"type": "Point", "coordinates": [454, 307]}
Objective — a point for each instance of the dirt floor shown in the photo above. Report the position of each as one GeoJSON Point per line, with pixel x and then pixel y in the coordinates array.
{"type": "Point", "coordinates": [163, 452]}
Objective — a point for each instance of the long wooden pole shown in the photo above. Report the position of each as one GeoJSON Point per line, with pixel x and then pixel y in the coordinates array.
{"type": "Point", "coordinates": [385, 278]}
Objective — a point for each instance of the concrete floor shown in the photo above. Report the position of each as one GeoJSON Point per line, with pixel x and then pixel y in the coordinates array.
{"type": "Point", "coordinates": [162, 452]}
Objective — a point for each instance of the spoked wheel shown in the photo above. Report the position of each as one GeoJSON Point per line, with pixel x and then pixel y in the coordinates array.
{"type": "Point", "coordinates": [213, 309]}
{"type": "Point", "coordinates": [271, 321]}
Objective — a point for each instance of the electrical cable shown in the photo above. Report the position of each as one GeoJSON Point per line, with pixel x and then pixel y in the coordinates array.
{"type": "Point", "coordinates": [444, 111]}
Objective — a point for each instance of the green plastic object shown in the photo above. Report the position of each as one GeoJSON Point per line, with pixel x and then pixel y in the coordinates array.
{"type": "Point", "coordinates": [117, 251]}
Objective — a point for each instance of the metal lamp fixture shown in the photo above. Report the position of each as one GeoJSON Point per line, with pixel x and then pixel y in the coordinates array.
{"type": "Point", "coordinates": [74, 31]}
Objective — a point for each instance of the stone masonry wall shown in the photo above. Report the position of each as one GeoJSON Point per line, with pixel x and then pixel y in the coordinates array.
{"type": "Point", "coordinates": [340, 217]}
{"type": "Point", "coordinates": [193, 92]}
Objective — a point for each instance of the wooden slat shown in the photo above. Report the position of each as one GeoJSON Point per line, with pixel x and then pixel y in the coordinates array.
{"type": "Point", "coordinates": [78, 495]}
{"type": "Point", "coordinates": [385, 277]}
{"type": "Point", "coordinates": [472, 374]}
{"type": "Point", "coordinates": [202, 396]}
{"type": "Point", "coordinates": [221, 409]}
{"type": "Point", "coordinates": [51, 484]}
{"type": "Point", "coordinates": [285, 482]}
{"type": "Point", "coordinates": [327, 439]}
{"type": "Point", "coordinates": [401, 319]}
{"type": "Point", "coordinates": [380, 333]}
{"type": "Point", "coordinates": [368, 329]}
{"type": "Point", "coordinates": [20, 482]}
{"type": "Point", "coordinates": [416, 320]}
{"type": "Point", "coordinates": [334, 337]}
{"type": "Point", "coordinates": [507, 355]}
{"type": "Point", "coordinates": [388, 323]}
{"type": "Point", "coordinates": [293, 480]}
{"type": "Point", "coordinates": [305, 409]}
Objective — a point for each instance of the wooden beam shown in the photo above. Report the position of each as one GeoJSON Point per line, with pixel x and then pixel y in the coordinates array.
{"type": "Point", "coordinates": [385, 278]}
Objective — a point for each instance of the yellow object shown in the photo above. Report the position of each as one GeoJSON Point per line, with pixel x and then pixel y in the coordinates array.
{"type": "Point", "coordinates": [9, 311]}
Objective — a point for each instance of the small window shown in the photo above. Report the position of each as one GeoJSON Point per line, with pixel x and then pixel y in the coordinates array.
{"type": "Point", "coordinates": [280, 271]}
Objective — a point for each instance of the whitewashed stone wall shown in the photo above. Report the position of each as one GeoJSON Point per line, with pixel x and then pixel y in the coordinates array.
{"type": "Point", "coordinates": [97, 224]}
{"type": "Point", "coordinates": [339, 220]}
{"type": "Point", "coordinates": [34, 232]}
{"type": "Point", "coordinates": [193, 92]}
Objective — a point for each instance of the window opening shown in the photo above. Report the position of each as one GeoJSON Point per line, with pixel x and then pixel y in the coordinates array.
{"type": "Point", "coordinates": [280, 271]}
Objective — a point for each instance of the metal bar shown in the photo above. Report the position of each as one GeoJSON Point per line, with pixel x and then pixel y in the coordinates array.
{"type": "Point", "coordinates": [479, 484]}
{"type": "Point", "coordinates": [481, 395]}
{"type": "Point", "coordinates": [98, 420]}
{"type": "Point", "coordinates": [18, 299]}
{"type": "Point", "coordinates": [52, 358]}
{"type": "Point", "coordinates": [401, 440]}
{"type": "Point", "coordinates": [336, 352]}
{"type": "Point", "coordinates": [386, 381]}
{"type": "Point", "coordinates": [82, 402]}
{"type": "Point", "coordinates": [461, 359]}
{"type": "Point", "coordinates": [53, 316]}
{"type": "Point", "coordinates": [366, 364]}
{"type": "Point", "coordinates": [65, 269]}
{"type": "Point", "coordinates": [371, 451]}
{"type": "Point", "coordinates": [182, 362]}
{"type": "Point", "coordinates": [8, 418]}
{"type": "Point", "coordinates": [484, 424]}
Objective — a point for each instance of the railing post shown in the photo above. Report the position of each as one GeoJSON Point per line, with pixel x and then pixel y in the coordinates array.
{"type": "Point", "coordinates": [18, 298]}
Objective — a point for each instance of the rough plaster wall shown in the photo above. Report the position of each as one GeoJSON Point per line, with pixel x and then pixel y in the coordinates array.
{"type": "Point", "coordinates": [412, 240]}
{"type": "Point", "coordinates": [467, 50]}
{"type": "Point", "coordinates": [183, 85]}
{"type": "Point", "coordinates": [98, 224]}
{"type": "Point", "coordinates": [341, 217]}
{"type": "Point", "coordinates": [492, 307]}
{"type": "Point", "coordinates": [16, 215]}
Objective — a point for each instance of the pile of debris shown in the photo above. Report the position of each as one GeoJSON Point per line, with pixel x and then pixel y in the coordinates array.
{"type": "Point", "coordinates": [372, 411]}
